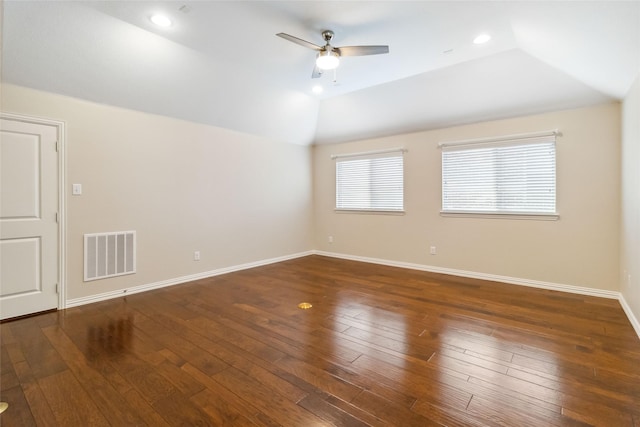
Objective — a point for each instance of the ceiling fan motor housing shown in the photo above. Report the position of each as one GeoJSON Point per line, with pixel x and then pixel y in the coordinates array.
{"type": "Point", "coordinates": [327, 35]}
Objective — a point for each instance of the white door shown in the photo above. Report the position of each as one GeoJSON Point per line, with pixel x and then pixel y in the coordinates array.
{"type": "Point", "coordinates": [28, 217]}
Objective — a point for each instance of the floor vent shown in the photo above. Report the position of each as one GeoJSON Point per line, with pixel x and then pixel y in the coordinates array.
{"type": "Point", "coordinates": [109, 254]}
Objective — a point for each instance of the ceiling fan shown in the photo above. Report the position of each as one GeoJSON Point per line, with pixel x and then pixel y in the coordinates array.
{"type": "Point", "coordinates": [329, 56]}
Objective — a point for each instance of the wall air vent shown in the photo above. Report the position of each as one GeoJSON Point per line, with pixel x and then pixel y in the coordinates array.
{"type": "Point", "coordinates": [109, 254]}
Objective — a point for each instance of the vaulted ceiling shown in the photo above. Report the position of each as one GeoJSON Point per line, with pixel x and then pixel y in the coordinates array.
{"type": "Point", "coordinates": [220, 62]}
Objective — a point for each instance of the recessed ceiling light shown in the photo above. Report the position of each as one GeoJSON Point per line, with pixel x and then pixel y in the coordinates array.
{"type": "Point", "coordinates": [482, 38]}
{"type": "Point", "coordinates": [160, 20]}
{"type": "Point", "coordinates": [317, 89]}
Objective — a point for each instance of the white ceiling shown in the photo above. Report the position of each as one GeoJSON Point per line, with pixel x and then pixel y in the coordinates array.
{"type": "Point", "coordinates": [220, 62]}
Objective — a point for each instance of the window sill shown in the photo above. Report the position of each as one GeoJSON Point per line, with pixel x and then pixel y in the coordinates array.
{"type": "Point", "coordinates": [494, 215]}
{"type": "Point", "coordinates": [369, 211]}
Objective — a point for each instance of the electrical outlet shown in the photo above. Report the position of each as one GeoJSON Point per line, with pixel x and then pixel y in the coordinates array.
{"type": "Point", "coordinates": [196, 256]}
{"type": "Point", "coordinates": [330, 239]}
{"type": "Point", "coordinates": [432, 250]}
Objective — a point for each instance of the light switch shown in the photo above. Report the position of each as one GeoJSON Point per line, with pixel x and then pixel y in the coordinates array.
{"type": "Point", "coordinates": [77, 189]}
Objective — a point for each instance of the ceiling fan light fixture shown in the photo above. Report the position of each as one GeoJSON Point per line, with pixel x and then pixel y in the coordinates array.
{"type": "Point", "coordinates": [328, 60]}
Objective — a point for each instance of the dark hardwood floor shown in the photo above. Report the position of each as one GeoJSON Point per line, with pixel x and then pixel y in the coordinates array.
{"type": "Point", "coordinates": [381, 346]}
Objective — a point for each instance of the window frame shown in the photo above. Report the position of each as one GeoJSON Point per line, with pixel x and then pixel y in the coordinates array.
{"type": "Point", "coordinates": [547, 137]}
{"type": "Point", "coordinates": [369, 155]}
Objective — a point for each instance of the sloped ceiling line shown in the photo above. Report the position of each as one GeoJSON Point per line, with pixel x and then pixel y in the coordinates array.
{"type": "Point", "coordinates": [222, 65]}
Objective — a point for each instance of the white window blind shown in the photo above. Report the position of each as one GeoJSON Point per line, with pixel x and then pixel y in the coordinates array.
{"type": "Point", "coordinates": [504, 176]}
{"type": "Point", "coordinates": [370, 181]}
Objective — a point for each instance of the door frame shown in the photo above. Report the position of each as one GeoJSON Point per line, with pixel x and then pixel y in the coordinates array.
{"type": "Point", "coordinates": [62, 205]}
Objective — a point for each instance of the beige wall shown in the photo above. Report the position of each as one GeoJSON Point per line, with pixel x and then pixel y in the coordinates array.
{"type": "Point", "coordinates": [182, 186]}
{"type": "Point", "coordinates": [239, 198]}
{"type": "Point", "coordinates": [580, 249]}
{"type": "Point", "coordinates": [630, 242]}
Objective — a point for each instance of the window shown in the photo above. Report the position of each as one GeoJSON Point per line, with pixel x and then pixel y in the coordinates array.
{"type": "Point", "coordinates": [370, 181]}
{"type": "Point", "coordinates": [500, 176]}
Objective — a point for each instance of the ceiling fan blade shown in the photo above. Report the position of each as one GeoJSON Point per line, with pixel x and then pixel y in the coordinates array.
{"type": "Point", "coordinates": [301, 42]}
{"type": "Point", "coordinates": [317, 72]}
{"type": "Point", "coordinates": [361, 50]}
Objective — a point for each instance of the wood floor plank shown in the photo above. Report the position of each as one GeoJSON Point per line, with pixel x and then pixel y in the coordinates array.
{"type": "Point", "coordinates": [177, 409]}
{"type": "Point", "coordinates": [545, 396]}
{"type": "Point", "coordinates": [110, 402]}
{"type": "Point", "coordinates": [481, 360]}
{"type": "Point", "coordinates": [70, 403]}
{"type": "Point", "coordinates": [320, 378]}
{"type": "Point", "coordinates": [390, 412]}
{"type": "Point", "coordinates": [506, 415]}
{"type": "Point", "coordinates": [19, 405]}
{"type": "Point", "coordinates": [229, 406]}
{"type": "Point", "coordinates": [199, 357]}
{"type": "Point", "coordinates": [599, 415]}
{"type": "Point", "coordinates": [271, 404]}
{"type": "Point", "coordinates": [323, 409]}
{"type": "Point", "coordinates": [447, 415]}
{"type": "Point", "coordinates": [37, 351]}
{"type": "Point", "coordinates": [622, 397]}
{"type": "Point", "coordinates": [8, 373]}
{"type": "Point", "coordinates": [421, 383]}
{"type": "Point", "coordinates": [359, 413]}
{"type": "Point", "coordinates": [381, 346]}
{"type": "Point", "coordinates": [145, 378]}
{"type": "Point", "coordinates": [369, 380]}
{"type": "Point", "coordinates": [220, 412]}
{"type": "Point", "coordinates": [38, 405]}
{"type": "Point", "coordinates": [143, 409]}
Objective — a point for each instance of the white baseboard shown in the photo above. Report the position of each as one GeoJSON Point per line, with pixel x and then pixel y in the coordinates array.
{"type": "Point", "coordinates": [178, 280]}
{"type": "Point", "coordinates": [632, 318]}
{"type": "Point", "coordinates": [483, 276]}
